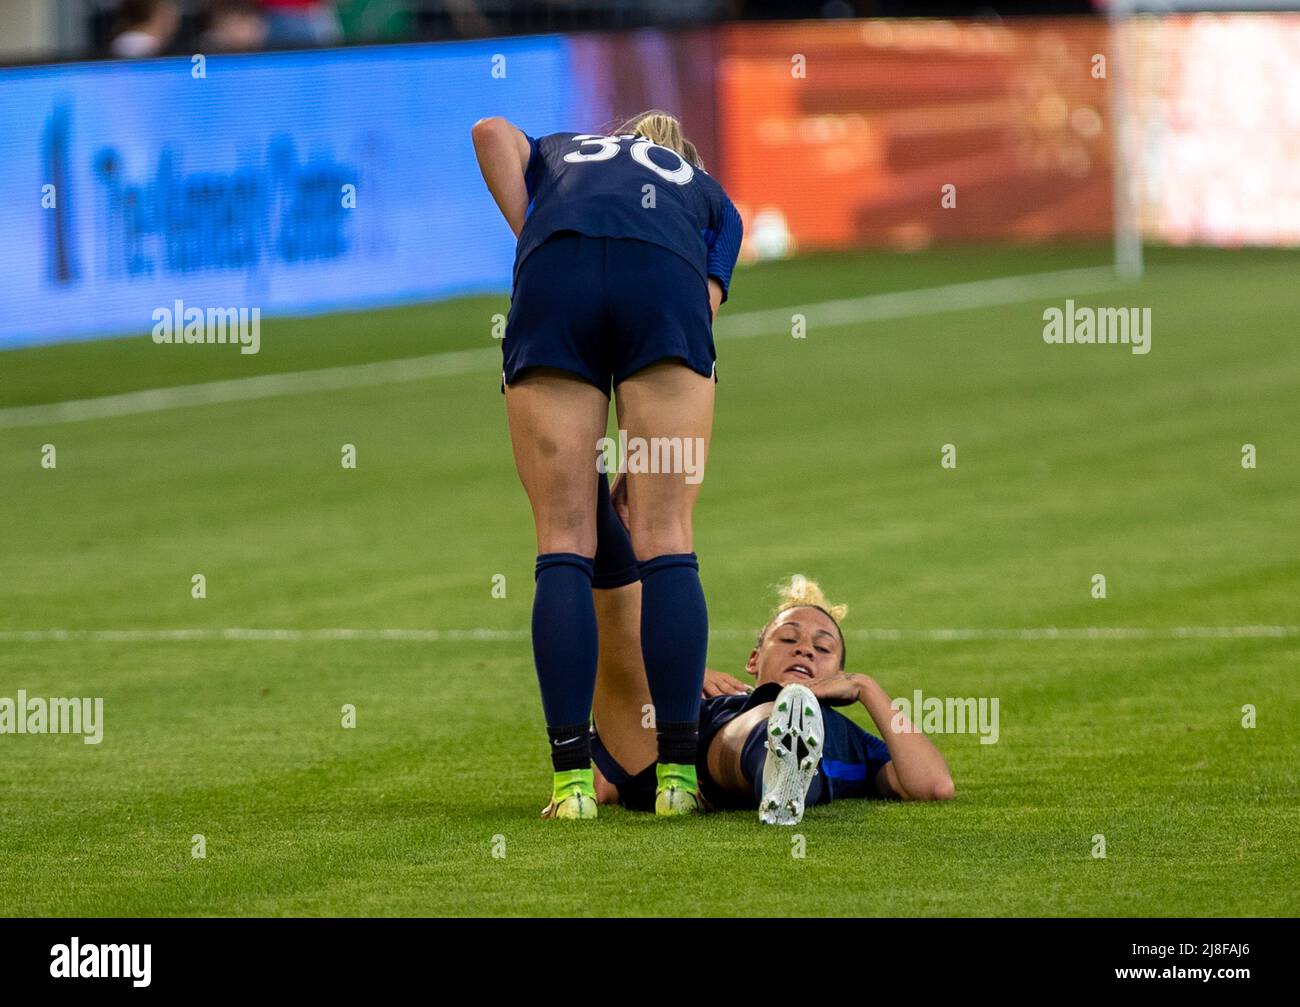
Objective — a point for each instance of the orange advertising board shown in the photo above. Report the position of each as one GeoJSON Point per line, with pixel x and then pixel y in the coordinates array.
{"type": "Point", "coordinates": [906, 133]}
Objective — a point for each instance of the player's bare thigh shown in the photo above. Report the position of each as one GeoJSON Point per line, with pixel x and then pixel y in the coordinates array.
{"type": "Point", "coordinates": [666, 402]}
{"type": "Point", "coordinates": [728, 744]}
{"type": "Point", "coordinates": [555, 421]}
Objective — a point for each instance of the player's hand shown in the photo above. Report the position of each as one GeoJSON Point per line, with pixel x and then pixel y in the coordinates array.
{"type": "Point", "coordinates": [837, 690]}
{"type": "Point", "coordinates": [719, 683]}
{"type": "Point", "coordinates": [618, 497]}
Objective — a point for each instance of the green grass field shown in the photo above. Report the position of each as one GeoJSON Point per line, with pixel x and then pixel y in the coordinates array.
{"type": "Point", "coordinates": [1072, 460]}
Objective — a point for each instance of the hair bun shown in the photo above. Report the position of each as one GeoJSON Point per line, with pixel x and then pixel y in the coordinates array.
{"type": "Point", "coordinates": [799, 591]}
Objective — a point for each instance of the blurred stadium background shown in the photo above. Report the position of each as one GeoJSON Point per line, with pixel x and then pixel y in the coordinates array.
{"type": "Point", "coordinates": [1163, 176]}
{"type": "Point", "coordinates": [223, 186]}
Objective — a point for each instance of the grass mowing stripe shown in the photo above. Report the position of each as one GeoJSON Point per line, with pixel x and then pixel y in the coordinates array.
{"type": "Point", "coordinates": [1073, 462]}
{"type": "Point", "coordinates": [744, 325]}
{"type": "Point", "coordinates": [1072, 633]}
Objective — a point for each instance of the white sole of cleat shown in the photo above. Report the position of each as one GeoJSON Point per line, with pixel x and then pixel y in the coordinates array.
{"type": "Point", "coordinates": [795, 737]}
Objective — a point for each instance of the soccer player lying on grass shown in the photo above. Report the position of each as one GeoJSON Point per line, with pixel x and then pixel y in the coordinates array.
{"type": "Point", "coordinates": [760, 748]}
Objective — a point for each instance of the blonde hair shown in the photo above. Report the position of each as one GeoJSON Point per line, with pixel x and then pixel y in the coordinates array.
{"type": "Point", "coordinates": [664, 129]}
{"type": "Point", "coordinates": [800, 592]}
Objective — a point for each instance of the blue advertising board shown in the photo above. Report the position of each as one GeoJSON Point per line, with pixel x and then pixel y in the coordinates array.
{"type": "Point", "coordinates": [292, 182]}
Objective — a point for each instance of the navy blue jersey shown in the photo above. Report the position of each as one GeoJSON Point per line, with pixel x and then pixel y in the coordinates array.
{"type": "Point", "coordinates": [851, 757]}
{"type": "Point", "coordinates": [600, 186]}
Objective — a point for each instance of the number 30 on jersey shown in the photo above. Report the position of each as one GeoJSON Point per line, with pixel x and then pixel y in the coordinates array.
{"type": "Point", "coordinates": [609, 146]}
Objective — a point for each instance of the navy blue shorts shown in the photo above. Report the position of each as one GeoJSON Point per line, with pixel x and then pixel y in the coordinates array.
{"type": "Point", "coordinates": [605, 308]}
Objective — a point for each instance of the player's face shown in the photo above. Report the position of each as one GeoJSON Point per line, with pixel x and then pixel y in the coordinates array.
{"type": "Point", "coordinates": [802, 645]}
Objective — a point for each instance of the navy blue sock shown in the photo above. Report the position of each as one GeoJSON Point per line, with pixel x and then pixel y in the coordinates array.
{"type": "Point", "coordinates": [616, 564]}
{"type": "Point", "coordinates": [674, 646]}
{"type": "Point", "coordinates": [754, 754]}
{"type": "Point", "coordinates": [564, 651]}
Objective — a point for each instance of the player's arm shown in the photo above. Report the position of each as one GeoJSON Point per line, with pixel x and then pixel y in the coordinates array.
{"type": "Point", "coordinates": [916, 771]}
{"type": "Point", "coordinates": [715, 297]}
{"type": "Point", "coordinates": [724, 249]}
{"type": "Point", "coordinates": [503, 152]}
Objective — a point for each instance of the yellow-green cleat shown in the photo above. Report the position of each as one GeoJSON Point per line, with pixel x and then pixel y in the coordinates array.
{"type": "Point", "coordinates": [678, 792]}
{"type": "Point", "coordinates": [573, 795]}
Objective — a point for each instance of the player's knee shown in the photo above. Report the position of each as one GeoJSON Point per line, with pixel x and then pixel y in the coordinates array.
{"type": "Point", "coordinates": [567, 529]}
{"type": "Point", "coordinates": [487, 126]}
{"type": "Point", "coordinates": [660, 535]}
{"type": "Point", "coordinates": [943, 790]}
{"type": "Point", "coordinates": [649, 547]}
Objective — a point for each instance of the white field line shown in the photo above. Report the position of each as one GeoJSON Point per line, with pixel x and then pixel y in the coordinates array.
{"type": "Point", "coordinates": [1042, 633]}
{"type": "Point", "coordinates": [914, 303]}
{"type": "Point", "coordinates": [744, 325]}
{"type": "Point", "coordinates": [265, 386]}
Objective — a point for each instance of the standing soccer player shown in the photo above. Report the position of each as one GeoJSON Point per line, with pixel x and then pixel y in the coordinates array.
{"type": "Point", "coordinates": [626, 248]}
